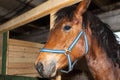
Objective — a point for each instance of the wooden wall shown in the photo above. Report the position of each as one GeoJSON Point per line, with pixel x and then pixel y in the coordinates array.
{"type": "Point", "coordinates": [21, 56]}
{"type": "Point", "coordinates": [0, 53]}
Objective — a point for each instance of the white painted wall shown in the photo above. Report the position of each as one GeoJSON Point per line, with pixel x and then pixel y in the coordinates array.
{"type": "Point", "coordinates": [118, 34]}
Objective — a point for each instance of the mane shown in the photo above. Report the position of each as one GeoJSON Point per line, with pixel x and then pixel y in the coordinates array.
{"type": "Point", "coordinates": [101, 31]}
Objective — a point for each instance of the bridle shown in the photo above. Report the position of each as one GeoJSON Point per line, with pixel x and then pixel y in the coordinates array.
{"type": "Point", "coordinates": [68, 50]}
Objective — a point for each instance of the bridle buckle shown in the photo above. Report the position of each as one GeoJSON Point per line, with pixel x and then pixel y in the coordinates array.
{"type": "Point", "coordinates": [67, 51]}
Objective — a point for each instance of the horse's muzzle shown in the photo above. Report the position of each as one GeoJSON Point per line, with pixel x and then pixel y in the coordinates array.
{"type": "Point", "coordinates": [46, 71]}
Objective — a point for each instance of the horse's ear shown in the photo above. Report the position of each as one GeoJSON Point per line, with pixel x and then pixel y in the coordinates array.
{"type": "Point", "coordinates": [82, 7]}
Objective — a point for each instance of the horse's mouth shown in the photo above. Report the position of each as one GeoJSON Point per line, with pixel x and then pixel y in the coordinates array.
{"type": "Point", "coordinates": [46, 71]}
{"type": "Point", "coordinates": [49, 74]}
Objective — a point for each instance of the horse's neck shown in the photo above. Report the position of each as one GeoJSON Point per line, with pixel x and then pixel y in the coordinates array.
{"type": "Point", "coordinates": [100, 65]}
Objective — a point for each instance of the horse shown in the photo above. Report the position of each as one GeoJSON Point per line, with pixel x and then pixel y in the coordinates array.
{"type": "Point", "coordinates": [77, 33]}
{"type": "Point", "coordinates": [79, 72]}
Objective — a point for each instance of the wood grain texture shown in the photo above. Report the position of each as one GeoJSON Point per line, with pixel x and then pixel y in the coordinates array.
{"type": "Point", "coordinates": [21, 57]}
{"type": "Point", "coordinates": [36, 13]}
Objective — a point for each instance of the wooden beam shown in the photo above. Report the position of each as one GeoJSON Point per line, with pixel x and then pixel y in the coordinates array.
{"type": "Point", "coordinates": [112, 18]}
{"type": "Point", "coordinates": [101, 3]}
{"type": "Point", "coordinates": [1, 47]}
{"type": "Point", "coordinates": [36, 13]}
{"type": "Point", "coordinates": [4, 52]}
{"type": "Point", "coordinates": [108, 8]}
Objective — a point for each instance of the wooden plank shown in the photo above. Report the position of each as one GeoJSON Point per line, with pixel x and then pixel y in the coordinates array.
{"type": "Point", "coordinates": [36, 13]}
{"type": "Point", "coordinates": [14, 77]}
{"type": "Point", "coordinates": [23, 49]}
{"type": "Point", "coordinates": [4, 53]}
{"type": "Point", "coordinates": [21, 71]}
{"type": "Point", "coordinates": [31, 75]}
{"type": "Point", "coordinates": [14, 54]}
{"type": "Point", "coordinates": [0, 66]}
{"type": "Point", "coordinates": [106, 5]}
{"type": "Point", "coordinates": [109, 14]}
{"type": "Point", "coordinates": [24, 43]}
{"type": "Point", "coordinates": [21, 57]}
{"type": "Point", "coordinates": [21, 68]}
{"type": "Point", "coordinates": [20, 65]}
{"type": "Point", "coordinates": [112, 18]}
{"type": "Point", "coordinates": [101, 2]}
{"type": "Point", "coordinates": [1, 38]}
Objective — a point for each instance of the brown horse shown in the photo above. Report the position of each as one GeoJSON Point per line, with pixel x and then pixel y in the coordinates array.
{"type": "Point", "coordinates": [78, 33]}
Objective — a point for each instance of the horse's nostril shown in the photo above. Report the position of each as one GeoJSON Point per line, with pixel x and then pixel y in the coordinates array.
{"type": "Point", "coordinates": [39, 67]}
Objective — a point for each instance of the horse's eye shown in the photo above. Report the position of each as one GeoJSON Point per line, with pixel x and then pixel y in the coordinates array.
{"type": "Point", "coordinates": [66, 28]}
